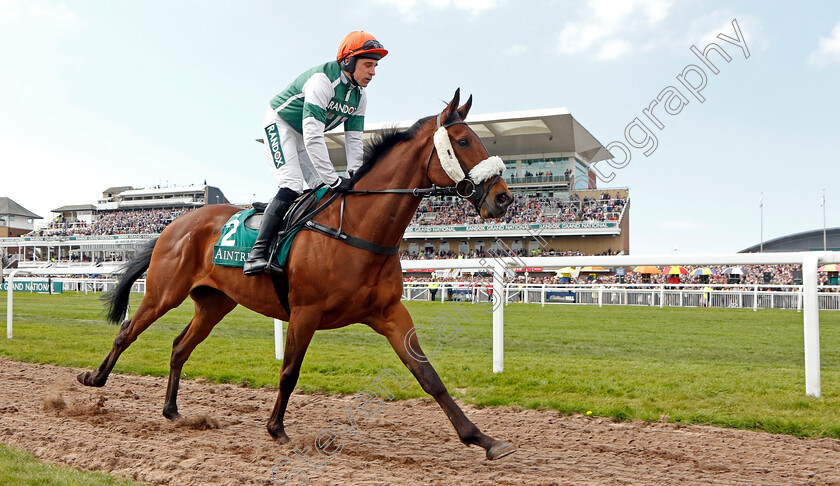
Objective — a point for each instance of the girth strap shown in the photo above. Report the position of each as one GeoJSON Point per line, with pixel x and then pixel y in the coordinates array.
{"type": "Point", "coordinates": [351, 240]}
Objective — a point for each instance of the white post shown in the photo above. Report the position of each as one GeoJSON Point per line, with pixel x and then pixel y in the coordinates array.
{"type": "Point", "coordinates": [600, 295]}
{"type": "Point", "coordinates": [542, 300]}
{"type": "Point", "coordinates": [811, 315]}
{"type": "Point", "coordinates": [799, 294]}
{"type": "Point", "coordinates": [499, 318]}
{"type": "Point", "coordinates": [278, 339]}
{"type": "Point", "coordinates": [10, 288]}
{"type": "Point", "coordinates": [661, 296]}
{"type": "Point", "coordinates": [755, 298]}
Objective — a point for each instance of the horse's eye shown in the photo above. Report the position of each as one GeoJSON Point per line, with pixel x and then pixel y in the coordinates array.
{"type": "Point", "coordinates": [463, 142]}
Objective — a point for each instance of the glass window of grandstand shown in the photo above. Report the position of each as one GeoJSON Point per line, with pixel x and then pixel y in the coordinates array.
{"type": "Point", "coordinates": [581, 177]}
{"type": "Point", "coordinates": [547, 170]}
{"type": "Point", "coordinates": [463, 247]}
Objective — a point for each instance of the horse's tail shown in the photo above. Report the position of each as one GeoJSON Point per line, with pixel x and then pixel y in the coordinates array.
{"type": "Point", "coordinates": [117, 299]}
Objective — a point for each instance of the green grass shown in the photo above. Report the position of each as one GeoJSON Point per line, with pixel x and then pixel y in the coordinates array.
{"type": "Point", "coordinates": [727, 367]}
{"type": "Point", "coordinates": [19, 468]}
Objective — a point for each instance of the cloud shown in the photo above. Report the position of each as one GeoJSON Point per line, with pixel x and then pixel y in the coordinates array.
{"type": "Point", "coordinates": [706, 28]}
{"type": "Point", "coordinates": [612, 49]}
{"type": "Point", "coordinates": [410, 9]}
{"type": "Point", "coordinates": [828, 51]}
{"type": "Point", "coordinates": [18, 16]}
{"type": "Point", "coordinates": [27, 27]}
{"type": "Point", "coordinates": [515, 50]}
{"type": "Point", "coordinates": [609, 25]}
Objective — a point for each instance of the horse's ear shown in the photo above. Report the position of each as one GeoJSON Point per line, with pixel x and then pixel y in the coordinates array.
{"type": "Point", "coordinates": [465, 108]}
{"type": "Point", "coordinates": [451, 107]}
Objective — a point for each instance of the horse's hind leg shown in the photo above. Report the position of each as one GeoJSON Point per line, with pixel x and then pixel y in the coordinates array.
{"type": "Point", "coordinates": [211, 306]}
{"type": "Point", "coordinates": [147, 313]}
{"type": "Point", "coordinates": [397, 327]}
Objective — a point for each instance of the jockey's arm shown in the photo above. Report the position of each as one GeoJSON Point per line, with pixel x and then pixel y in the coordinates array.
{"type": "Point", "coordinates": [353, 129]}
{"type": "Point", "coordinates": [317, 93]}
{"type": "Point", "coordinates": [354, 148]}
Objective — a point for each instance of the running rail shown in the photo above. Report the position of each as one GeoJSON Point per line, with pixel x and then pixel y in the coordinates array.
{"type": "Point", "coordinates": [809, 260]}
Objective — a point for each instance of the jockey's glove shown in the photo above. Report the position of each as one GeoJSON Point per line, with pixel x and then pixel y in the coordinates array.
{"type": "Point", "coordinates": [342, 184]}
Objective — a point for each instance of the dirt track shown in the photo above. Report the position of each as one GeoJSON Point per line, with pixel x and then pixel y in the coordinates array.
{"type": "Point", "coordinates": [119, 428]}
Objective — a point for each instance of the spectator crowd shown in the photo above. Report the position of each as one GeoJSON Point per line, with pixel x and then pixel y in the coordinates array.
{"type": "Point", "coordinates": [527, 209]}
{"type": "Point", "coordinates": [781, 274]}
{"type": "Point", "coordinates": [146, 221]}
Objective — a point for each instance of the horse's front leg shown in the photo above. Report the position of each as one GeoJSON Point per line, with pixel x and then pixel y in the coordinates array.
{"type": "Point", "coordinates": [302, 326]}
{"type": "Point", "coordinates": [398, 328]}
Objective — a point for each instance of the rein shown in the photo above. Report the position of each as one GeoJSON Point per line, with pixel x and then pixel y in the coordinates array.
{"type": "Point", "coordinates": [465, 188]}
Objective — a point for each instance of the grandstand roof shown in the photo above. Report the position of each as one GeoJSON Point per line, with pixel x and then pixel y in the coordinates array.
{"type": "Point", "coordinates": [525, 134]}
{"type": "Point", "coordinates": [75, 207]}
{"type": "Point", "coordinates": [804, 241]}
{"type": "Point", "coordinates": [162, 190]}
{"type": "Point", "coordinates": [7, 206]}
{"type": "Point", "coordinates": [117, 189]}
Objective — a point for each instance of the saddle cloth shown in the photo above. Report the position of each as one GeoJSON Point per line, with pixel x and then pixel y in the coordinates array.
{"type": "Point", "coordinates": [240, 231]}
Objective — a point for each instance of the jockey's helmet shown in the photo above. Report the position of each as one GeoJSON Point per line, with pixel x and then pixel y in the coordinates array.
{"type": "Point", "coordinates": [358, 44]}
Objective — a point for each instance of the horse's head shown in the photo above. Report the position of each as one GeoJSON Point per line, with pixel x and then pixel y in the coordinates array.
{"type": "Point", "coordinates": [465, 163]}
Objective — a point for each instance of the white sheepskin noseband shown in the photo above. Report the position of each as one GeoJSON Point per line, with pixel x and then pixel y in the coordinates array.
{"type": "Point", "coordinates": [485, 169]}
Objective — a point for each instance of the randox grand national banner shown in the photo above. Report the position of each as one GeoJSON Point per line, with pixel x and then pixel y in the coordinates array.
{"type": "Point", "coordinates": [39, 286]}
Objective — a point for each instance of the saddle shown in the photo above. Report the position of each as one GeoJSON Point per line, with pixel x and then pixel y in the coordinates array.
{"type": "Point", "coordinates": [294, 215]}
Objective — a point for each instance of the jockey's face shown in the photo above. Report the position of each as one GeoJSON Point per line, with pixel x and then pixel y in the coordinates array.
{"type": "Point", "coordinates": [365, 70]}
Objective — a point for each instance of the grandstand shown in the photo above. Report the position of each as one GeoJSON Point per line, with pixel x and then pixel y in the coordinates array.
{"type": "Point", "coordinates": [559, 208]}
{"type": "Point", "coordinates": [548, 156]}
{"type": "Point", "coordinates": [96, 238]}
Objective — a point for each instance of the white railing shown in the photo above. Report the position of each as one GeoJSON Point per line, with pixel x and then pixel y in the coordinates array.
{"type": "Point", "coordinates": [810, 297]}
{"type": "Point", "coordinates": [660, 295]}
{"type": "Point", "coordinates": [82, 284]}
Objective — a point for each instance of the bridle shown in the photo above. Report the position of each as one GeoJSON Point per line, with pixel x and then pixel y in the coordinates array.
{"type": "Point", "coordinates": [468, 186]}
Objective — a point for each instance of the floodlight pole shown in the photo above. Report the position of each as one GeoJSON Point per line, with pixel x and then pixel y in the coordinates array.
{"type": "Point", "coordinates": [761, 210]}
{"type": "Point", "coordinates": [825, 240]}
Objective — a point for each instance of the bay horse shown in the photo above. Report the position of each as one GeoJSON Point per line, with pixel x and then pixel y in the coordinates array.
{"type": "Point", "coordinates": [332, 284]}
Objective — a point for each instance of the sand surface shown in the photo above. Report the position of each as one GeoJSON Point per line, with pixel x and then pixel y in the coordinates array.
{"type": "Point", "coordinates": [222, 440]}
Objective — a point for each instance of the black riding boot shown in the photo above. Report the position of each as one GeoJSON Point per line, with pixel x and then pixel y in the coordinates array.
{"type": "Point", "coordinates": [272, 218]}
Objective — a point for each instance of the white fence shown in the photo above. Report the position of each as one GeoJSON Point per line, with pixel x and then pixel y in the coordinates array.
{"type": "Point", "coordinates": [808, 298]}
{"type": "Point", "coordinates": [809, 295]}
{"type": "Point", "coordinates": [660, 295]}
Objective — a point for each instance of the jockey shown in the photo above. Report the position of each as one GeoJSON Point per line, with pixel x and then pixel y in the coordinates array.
{"type": "Point", "coordinates": [317, 101]}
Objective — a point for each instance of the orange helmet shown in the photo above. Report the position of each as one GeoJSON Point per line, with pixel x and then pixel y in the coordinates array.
{"type": "Point", "coordinates": [358, 44]}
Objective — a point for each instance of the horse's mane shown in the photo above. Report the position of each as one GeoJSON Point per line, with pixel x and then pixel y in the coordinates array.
{"type": "Point", "coordinates": [387, 139]}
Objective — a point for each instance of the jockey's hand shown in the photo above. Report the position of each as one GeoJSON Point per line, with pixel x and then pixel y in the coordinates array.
{"type": "Point", "coordinates": [342, 184]}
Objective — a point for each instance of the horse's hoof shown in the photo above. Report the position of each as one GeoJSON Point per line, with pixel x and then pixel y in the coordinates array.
{"type": "Point", "coordinates": [499, 449]}
{"type": "Point", "coordinates": [85, 379]}
{"type": "Point", "coordinates": [279, 436]}
{"type": "Point", "coordinates": [172, 415]}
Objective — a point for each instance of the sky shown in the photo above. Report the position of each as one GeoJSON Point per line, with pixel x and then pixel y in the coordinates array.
{"type": "Point", "coordinates": [98, 94]}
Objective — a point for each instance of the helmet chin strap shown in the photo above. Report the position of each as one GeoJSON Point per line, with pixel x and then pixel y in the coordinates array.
{"type": "Point", "coordinates": [352, 78]}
